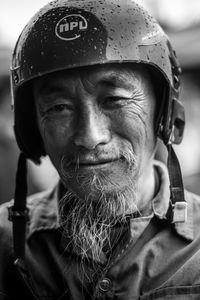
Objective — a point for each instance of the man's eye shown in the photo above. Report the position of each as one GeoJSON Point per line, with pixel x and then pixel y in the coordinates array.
{"type": "Point", "coordinates": [115, 101]}
{"type": "Point", "coordinates": [58, 108]}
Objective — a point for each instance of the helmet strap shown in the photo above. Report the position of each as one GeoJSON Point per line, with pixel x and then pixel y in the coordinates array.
{"type": "Point", "coordinates": [18, 213]}
{"type": "Point", "coordinates": [177, 211]}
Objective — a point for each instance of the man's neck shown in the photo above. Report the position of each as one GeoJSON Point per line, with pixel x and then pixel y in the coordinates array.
{"type": "Point", "coordinates": [147, 189]}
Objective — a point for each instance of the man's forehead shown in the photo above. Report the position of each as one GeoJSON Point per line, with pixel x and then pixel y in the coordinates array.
{"type": "Point", "coordinates": [112, 75]}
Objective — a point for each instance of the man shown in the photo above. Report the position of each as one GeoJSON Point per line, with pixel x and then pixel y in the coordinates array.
{"type": "Point", "coordinates": [94, 84]}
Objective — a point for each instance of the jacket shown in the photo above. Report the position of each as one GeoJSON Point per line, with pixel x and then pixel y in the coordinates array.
{"type": "Point", "coordinates": [155, 259]}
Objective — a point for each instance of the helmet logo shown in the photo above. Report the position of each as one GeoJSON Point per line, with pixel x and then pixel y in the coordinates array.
{"type": "Point", "coordinates": [70, 27]}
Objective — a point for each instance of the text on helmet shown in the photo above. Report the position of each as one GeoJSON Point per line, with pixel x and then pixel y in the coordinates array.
{"type": "Point", "coordinates": [71, 26]}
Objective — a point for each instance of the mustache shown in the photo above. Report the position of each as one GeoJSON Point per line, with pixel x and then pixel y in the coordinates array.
{"type": "Point", "coordinates": [98, 157]}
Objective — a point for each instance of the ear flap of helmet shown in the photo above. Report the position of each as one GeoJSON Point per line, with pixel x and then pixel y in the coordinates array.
{"type": "Point", "coordinates": [26, 130]}
{"type": "Point", "coordinates": [172, 123]}
{"type": "Point", "coordinates": [177, 122]}
{"type": "Point", "coordinates": [177, 118]}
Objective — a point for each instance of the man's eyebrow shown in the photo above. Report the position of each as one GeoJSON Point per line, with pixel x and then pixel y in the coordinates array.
{"type": "Point", "coordinates": [117, 81]}
{"type": "Point", "coordinates": [52, 88]}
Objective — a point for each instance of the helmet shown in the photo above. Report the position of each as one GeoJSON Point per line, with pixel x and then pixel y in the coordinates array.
{"type": "Point", "coordinates": [68, 34]}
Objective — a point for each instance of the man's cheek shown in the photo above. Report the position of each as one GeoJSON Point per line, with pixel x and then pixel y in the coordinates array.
{"type": "Point", "coordinates": [55, 142]}
{"type": "Point", "coordinates": [52, 132]}
{"type": "Point", "coordinates": [130, 117]}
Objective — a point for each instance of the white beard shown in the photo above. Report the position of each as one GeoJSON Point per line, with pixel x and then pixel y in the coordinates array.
{"type": "Point", "coordinates": [89, 221]}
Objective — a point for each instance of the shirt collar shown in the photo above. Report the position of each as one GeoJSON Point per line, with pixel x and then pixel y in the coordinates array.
{"type": "Point", "coordinates": [43, 211]}
{"type": "Point", "coordinates": [161, 202]}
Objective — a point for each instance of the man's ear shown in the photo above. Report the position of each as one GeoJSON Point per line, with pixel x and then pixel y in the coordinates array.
{"type": "Point", "coordinates": [177, 122]}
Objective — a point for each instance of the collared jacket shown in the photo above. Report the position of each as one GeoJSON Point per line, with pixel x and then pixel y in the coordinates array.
{"type": "Point", "coordinates": [157, 261]}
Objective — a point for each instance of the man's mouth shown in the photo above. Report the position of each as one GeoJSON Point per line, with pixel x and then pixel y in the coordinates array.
{"type": "Point", "coordinates": [84, 164]}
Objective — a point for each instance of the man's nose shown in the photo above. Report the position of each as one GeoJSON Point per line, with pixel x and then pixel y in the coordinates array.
{"type": "Point", "coordinates": [92, 129]}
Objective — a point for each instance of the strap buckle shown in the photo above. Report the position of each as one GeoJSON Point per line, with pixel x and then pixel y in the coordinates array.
{"type": "Point", "coordinates": [17, 214]}
{"type": "Point", "coordinates": [180, 212]}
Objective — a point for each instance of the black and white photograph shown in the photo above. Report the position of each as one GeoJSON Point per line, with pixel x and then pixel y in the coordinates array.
{"type": "Point", "coordinates": [100, 150]}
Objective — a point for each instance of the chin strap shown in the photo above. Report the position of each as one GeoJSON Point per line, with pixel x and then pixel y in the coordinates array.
{"type": "Point", "coordinates": [177, 211]}
{"type": "Point", "coordinates": [18, 213]}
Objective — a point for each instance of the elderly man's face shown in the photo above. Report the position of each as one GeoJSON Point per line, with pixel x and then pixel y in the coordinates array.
{"type": "Point", "coordinates": [97, 125]}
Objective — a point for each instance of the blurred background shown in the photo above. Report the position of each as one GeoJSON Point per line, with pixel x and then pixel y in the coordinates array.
{"type": "Point", "coordinates": [181, 21]}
